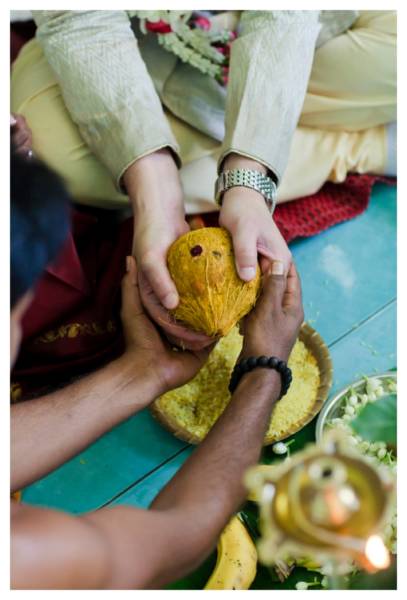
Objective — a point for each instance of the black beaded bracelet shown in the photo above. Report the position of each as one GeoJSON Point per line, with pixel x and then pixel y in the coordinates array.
{"type": "Point", "coordinates": [268, 362]}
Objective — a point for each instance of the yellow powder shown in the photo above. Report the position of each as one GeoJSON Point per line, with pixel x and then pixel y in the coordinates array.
{"type": "Point", "coordinates": [197, 405]}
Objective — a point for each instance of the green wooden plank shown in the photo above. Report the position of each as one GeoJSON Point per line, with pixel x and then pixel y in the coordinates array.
{"type": "Point", "coordinates": [349, 271]}
{"type": "Point", "coordinates": [108, 466]}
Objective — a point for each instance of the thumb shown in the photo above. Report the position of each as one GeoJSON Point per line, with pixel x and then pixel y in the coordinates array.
{"type": "Point", "coordinates": [245, 249]}
{"type": "Point", "coordinates": [155, 269]}
{"type": "Point", "coordinates": [274, 283]}
{"type": "Point", "coordinates": [131, 303]}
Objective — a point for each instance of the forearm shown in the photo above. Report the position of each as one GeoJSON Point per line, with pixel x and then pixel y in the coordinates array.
{"type": "Point", "coordinates": [193, 508]}
{"type": "Point", "coordinates": [209, 487]}
{"type": "Point", "coordinates": [143, 181]}
{"type": "Point", "coordinates": [47, 431]}
{"type": "Point", "coordinates": [269, 70]}
{"type": "Point", "coordinates": [126, 548]}
{"type": "Point", "coordinates": [239, 161]}
{"type": "Point", "coordinates": [236, 441]}
{"type": "Point", "coordinates": [105, 84]}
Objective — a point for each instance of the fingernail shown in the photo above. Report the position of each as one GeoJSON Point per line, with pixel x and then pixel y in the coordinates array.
{"type": "Point", "coordinates": [247, 273]}
{"type": "Point", "coordinates": [13, 121]}
{"type": "Point", "coordinates": [170, 301]}
{"type": "Point", "coordinates": [277, 268]}
{"type": "Point", "coordinates": [128, 263]}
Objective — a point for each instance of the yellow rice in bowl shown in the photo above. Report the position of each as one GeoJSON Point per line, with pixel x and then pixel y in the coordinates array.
{"type": "Point", "coordinates": [191, 410]}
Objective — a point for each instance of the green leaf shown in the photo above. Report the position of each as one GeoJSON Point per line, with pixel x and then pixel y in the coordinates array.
{"type": "Point", "coordinates": [383, 580]}
{"type": "Point", "coordinates": [249, 516]}
{"type": "Point", "coordinates": [377, 421]}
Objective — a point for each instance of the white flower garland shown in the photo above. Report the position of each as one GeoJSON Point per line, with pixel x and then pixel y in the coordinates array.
{"type": "Point", "coordinates": [192, 46]}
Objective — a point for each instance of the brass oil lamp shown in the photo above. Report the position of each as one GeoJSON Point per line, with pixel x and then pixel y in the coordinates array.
{"type": "Point", "coordinates": [328, 503]}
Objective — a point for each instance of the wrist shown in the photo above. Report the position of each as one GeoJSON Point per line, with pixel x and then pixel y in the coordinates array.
{"type": "Point", "coordinates": [247, 179]}
{"type": "Point", "coordinates": [243, 195]}
{"type": "Point", "coordinates": [238, 161]}
{"type": "Point", "coordinates": [145, 165]}
{"type": "Point", "coordinates": [137, 382]}
{"type": "Point", "coordinates": [261, 379]}
{"type": "Point", "coordinates": [279, 351]}
{"type": "Point", "coordinates": [144, 179]}
{"type": "Point", "coordinates": [263, 362]}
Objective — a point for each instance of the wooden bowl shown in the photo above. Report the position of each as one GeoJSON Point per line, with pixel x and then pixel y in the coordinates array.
{"type": "Point", "coordinates": [314, 342]}
{"type": "Point", "coordinates": [318, 348]}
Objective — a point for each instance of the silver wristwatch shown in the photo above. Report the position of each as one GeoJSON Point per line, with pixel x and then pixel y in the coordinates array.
{"type": "Point", "coordinates": [250, 179]}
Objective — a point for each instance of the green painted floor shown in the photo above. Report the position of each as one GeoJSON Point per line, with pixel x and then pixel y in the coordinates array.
{"type": "Point", "coordinates": [349, 282]}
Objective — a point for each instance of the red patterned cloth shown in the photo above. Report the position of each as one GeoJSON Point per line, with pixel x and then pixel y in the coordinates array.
{"type": "Point", "coordinates": [333, 204]}
{"type": "Point", "coordinates": [73, 325]}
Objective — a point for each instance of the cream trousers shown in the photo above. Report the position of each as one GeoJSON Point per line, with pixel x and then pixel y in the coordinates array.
{"type": "Point", "coordinates": [351, 97]}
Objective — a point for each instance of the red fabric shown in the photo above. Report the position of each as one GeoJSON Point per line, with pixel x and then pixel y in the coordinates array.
{"type": "Point", "coordinates": [74, 292]}
{"type": "Point", "coordinates": [82, 289]}
{"type": "Point", "coordinates": [20, 33]}
{"type": "Point", "coordinates": [333, 204]}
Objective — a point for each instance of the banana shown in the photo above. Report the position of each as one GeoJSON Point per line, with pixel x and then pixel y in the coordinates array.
{"type": "Point", "coordinates": [236, 564]}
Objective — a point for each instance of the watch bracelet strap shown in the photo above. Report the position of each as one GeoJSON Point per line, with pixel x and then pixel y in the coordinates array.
{"type": "Point", "coordinates": [247, 178]}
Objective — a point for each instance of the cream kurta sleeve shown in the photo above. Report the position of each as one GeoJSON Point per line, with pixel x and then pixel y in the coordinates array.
{"type": "Point", "coordinates": [105, 84]}
{"type": "Point", "coordinates": [270, 65]}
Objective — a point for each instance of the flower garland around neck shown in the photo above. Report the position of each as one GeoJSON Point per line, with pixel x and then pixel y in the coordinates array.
{"type": "Point", "coordinates": [190, 37]}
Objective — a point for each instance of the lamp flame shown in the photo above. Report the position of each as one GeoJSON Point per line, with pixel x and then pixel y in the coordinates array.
{"type": "Point", "coordinates": [377, 553]}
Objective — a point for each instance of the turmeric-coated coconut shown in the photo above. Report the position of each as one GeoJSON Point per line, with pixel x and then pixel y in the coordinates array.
{"type": "Point", "coordinates": [213, 298]}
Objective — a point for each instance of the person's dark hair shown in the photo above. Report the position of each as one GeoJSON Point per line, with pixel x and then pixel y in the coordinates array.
{"type": "Point", "coordinates": [39, 222]}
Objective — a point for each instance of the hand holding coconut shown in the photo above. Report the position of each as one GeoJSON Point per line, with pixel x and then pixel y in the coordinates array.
{"type": "Point", "coordinates": [159, 220]}
{"type": "Point", "coordinates": [160, 224]}
{"type": "Point", "coordinates": [273, 327]}
{"type": "Point", "coordinates": [245, 215]}
{"type": "Point", "coordinates": [146, 351]}
{"type": "Point", "coordinates": [212, 296]}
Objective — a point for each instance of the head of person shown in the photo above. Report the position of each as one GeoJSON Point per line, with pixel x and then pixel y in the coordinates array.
{"type": "Point", "coordinates": [39, 225]}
